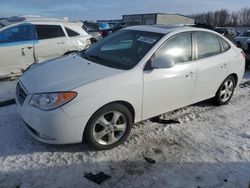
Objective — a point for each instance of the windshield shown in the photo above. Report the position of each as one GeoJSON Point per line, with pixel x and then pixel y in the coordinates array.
{"type": "Point", "coordinates": [123, 49]}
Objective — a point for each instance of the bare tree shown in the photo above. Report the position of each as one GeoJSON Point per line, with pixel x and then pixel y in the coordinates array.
{"type": "Point", "coordinates": [223, 18]}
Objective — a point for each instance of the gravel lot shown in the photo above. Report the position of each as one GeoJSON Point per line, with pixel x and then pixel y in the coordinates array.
{"type": "Point", "coordinates": [209, 148]}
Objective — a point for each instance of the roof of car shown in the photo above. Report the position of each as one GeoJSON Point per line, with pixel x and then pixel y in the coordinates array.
{"type": "Point", "coordinates": [164, 29]}
{"type": "Point", "coordinates": [26, 19]}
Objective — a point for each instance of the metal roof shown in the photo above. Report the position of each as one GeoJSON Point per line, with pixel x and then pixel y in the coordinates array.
{"type": "Point", "coordinates": [19, 19]}
{"type": "Point", "coordinates": [158, 13]}
{"type": "Point", "coordinates": [159, 28]}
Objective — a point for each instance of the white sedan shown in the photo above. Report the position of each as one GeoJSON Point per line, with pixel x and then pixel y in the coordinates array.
{"type": "Point", "coordinates": [133, 75]}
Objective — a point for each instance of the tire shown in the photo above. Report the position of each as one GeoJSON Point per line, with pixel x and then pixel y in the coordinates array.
{"type": "Point", "coordinates": [225, 91]}
{"type": "Point", "coordinates": [93, 41]}
{"type": "Point", "coordinates": [108, 127]}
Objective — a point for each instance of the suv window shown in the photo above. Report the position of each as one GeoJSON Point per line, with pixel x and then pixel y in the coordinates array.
{"type": "Point", "coordinates": [71, 33]}
{"type": "Point", "coordinates": [207, 44]}
{"type": "Point", "coordinates": [19, 33]}
{"type": "Point", "coordinates": [177, 48]}
{"type": "Point", "coordinates": [49, 31]}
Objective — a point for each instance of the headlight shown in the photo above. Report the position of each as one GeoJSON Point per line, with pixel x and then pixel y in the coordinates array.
{"type": "Point", "coordinates": [51, 101]}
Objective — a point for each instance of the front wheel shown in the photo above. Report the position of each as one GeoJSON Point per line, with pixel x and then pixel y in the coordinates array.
{"type": "Point", "coordinates": [226, 90]}
{"type": "Point", "coordinates": [108, 127]}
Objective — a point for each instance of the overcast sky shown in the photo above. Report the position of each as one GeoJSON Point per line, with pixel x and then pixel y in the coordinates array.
{"type": "Point", "coordinates": [111, 9]}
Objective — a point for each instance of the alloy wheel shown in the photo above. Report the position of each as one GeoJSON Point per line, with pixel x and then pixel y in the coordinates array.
{"type": "Point", "coordinates": [227, 90]}
{"type": "Point", "coordinates": [109, 128]}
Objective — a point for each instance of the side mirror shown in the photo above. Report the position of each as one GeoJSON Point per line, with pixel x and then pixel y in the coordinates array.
{"type": "Point", "coordinates": [162, 63]}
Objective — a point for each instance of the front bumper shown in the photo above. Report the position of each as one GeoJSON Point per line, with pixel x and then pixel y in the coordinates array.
{"type": "Point", "coordinates": [52, 127]}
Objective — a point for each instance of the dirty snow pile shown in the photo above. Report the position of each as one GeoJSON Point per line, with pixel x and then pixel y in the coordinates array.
{"type": "Point", "coordinates": [7, 90]}
{"type": "Point", "coordinates": [210, 147]}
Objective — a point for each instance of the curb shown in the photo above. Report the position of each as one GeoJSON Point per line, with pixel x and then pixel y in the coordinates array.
{"type": "Point", "coordinates": [7, 102]}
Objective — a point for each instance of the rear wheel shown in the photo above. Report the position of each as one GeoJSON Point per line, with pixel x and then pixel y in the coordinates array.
{"type": "Point", "coordinates": [108, 127]}
{"type": "Point", "coordinates": [226, 90]}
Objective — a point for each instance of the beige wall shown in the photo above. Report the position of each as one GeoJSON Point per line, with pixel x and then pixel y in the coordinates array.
{"type": "Point", "coordinates": [173, 19]}
{"type": "Point", "coordinates": [150, 19]}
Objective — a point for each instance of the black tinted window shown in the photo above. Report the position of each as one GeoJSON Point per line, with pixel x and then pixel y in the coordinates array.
{"type": "Point", "coordinates": [49, 31]}
{"type": "Point", "coordinates": [17, 34]}
{"type": "Point", "coordinates": [71, 33]}
{"type": "Point", "coordinates": [208, 44]}
{"type": "Point", "coordinates": [178, 48]}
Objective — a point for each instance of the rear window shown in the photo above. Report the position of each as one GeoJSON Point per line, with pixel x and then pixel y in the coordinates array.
{"type": "Point", "coordinates": [49, 31]}
{"type": "Point", "coordinates": [71, 33]}
{"type": "Point", "coordinates": [224, 45]}
{"type": "Point", "coordinates": [91, 26]}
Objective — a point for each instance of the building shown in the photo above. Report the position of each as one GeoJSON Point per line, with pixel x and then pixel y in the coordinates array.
{"type": "Point", "coordinates": [158, 18]}
{"type": "Point", "coordinates": [109, 21]}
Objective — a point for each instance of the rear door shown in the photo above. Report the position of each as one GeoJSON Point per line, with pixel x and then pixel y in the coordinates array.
{"type": "Point", "coordinates": [171, 88]}
{"type": "Point", "coordinates": [52, 42]}
{"type": "Point", "coordinates": [78, 38]}
{"type": "Point", "coordinates": [16, 48]}
{"type": "Point", "coordinates": [212, 65]}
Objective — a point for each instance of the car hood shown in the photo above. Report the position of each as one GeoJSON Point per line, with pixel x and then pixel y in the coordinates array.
{"type": "Point", "coordinates": [64, 74]}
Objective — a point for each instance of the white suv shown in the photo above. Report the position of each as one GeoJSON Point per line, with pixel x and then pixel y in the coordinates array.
{"type": "Point", "coordinates": [26, 40]}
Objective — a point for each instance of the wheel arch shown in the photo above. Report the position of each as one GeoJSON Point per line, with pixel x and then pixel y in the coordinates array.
{"type": "Point", "coordinates": [234, 75]}
{"type": "Point", "coordinates": [124, 103]}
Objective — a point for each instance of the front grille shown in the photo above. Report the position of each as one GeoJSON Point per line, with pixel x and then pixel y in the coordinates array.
{"type": "Point", "coordinates": [20, 93]}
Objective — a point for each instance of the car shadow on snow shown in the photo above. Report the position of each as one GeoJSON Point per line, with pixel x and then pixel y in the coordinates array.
{"type": "Point", "coordinates": [132, 173]}
{"type": "Point", "coordinates": [16, 141]}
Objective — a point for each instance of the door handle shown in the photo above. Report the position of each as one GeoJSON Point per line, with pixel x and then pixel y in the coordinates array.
{"type": "Point", "coordinates": [22, 52]}
{"type": "Point", "coordinates": [190, 75]}
{"type": "Point", "coordinates": [61, 42]}
{"type": "Point", "coordinates": [224, 66]}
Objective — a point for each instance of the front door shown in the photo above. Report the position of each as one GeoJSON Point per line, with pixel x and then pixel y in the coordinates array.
{"type": "Point", "coordinates": [171, 88]}
{"type": "Point", "coordinates": [16, 48]}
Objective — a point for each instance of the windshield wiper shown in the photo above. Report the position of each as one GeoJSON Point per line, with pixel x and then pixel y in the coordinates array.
{"type": "Point", "coordinates": [95, 57]}
{"type": "Point", "coordinates": [89, 56]}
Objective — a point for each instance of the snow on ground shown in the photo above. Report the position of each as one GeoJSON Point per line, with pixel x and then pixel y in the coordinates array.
{"type": "Point", "coordinates": [209, 148]}
{"type": "Point", "coordinates": [7, 90]}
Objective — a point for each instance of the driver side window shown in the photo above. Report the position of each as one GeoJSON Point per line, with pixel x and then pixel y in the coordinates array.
{"type": "Point", "coordinates": [178, 48]}
{"type": "Point", "coordinates": [19, 33]}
